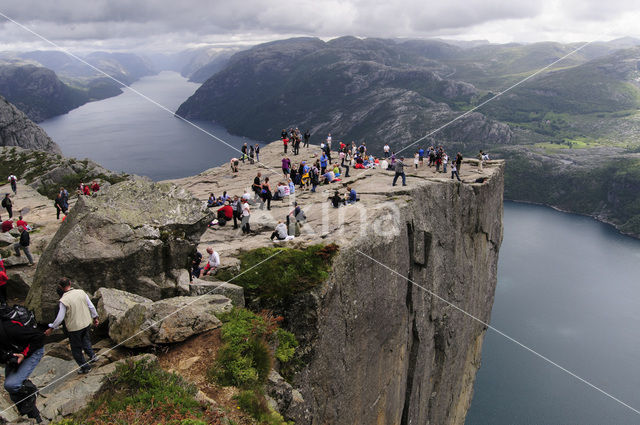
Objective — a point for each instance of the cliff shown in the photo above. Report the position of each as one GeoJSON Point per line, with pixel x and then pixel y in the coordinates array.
{"type": "Point", "coordinates": [376, 348]}
{"type": "Point", "coordinates": [16, 129]}
{"type": "Point", "coordinates": [38, 92]}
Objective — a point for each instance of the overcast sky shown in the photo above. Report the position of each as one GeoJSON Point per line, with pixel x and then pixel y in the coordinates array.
{"type": "Point", "coordinates": [175, 24]}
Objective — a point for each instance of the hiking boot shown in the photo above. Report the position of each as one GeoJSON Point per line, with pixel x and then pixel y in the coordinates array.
{"type": "Point", "coordinates": [84, 370]}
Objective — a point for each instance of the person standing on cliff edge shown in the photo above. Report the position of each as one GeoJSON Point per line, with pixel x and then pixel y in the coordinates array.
{"type": "Point", "coordinates": [78, 312]}
{"type": "Point", "coordinates": [399, 167]}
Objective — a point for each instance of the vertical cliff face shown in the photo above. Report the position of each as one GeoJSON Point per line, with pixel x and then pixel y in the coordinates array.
{"type": "Point", "coordinates": [18, 130]}
{"type": "Point", "coordinates": [385, 351]}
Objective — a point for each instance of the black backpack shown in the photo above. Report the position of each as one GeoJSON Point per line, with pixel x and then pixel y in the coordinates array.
{"type": "Point", "coordinates": [19, 313]}
{"type": "Point", "coordinates": [4, 203]}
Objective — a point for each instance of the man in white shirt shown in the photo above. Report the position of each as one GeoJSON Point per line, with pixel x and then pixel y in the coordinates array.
{"type": "Point", "coordinates": [77, 312]}
{"type": "Point", "coordinates": [246, 213]}
{"type": "Point", "coordinates": [386, 150]}
{"type": "Point", "coordinates": [280, 232]}
{"type": "Point", "coordinates": [213, 263]}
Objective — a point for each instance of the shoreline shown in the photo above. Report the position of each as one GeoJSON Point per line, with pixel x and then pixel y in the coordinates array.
{"type": "Point", "coordinates": [594, 217]}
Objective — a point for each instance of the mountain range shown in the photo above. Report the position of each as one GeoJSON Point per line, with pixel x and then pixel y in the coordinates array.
{"type": "Point", "coordinates": [577, 121]}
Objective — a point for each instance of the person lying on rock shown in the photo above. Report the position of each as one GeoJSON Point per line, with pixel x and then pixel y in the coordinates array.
{"type": "Point", "coordinates": [213, 263]}
{"type": "Point", "coordinates": [78, 312]}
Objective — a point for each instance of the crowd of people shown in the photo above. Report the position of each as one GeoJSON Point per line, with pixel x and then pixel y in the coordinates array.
{"type": "Point", "coordinates": [332, 163]}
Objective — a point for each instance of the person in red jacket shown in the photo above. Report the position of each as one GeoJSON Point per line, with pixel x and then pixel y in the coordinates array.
{"type": "Point", "coordinates": [95, 186]}
{"type": "Point", "coordinates": [3, 283]}
{"type": "Point", "coordinates": [21, 222]}
{"type": "Point", "coordinates": [86, 190]}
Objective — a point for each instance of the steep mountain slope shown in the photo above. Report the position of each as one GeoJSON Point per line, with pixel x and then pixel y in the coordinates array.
{"type": "Point", "coordinates": [38, 92]}
{"type": "Point", "coordinates": [16, 129]}
{"type": "Point", "coordinates": [358, 89]}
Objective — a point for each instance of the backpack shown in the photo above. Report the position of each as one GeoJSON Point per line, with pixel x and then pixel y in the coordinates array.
{"type": "Point", "coordinates": [21, 314]}
{"type": "Point", "coordinates": [4, 203]}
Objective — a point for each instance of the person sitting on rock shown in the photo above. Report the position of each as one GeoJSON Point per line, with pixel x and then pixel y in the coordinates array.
{"type": "Point", "coordinates": [95, 186]}
{"type": "Point", "coordinates": [336, 200]}
{"type": "Point", "coordinates": [22, 223]}
{"type": "Point", "coordinates": [78, 313]}
{"type": "Point", "coordinates": [213, 263]}
{"type": "Point", "coordinates": [280, 232]}
{"type": "Point", "coordinates": [211, 202]}
{"type": "Point", "coordinates": [352, 197]}
{"type": "Point", "coordinates": [225, 213]}
{"type": "Point", "coordinates": [195, 265]}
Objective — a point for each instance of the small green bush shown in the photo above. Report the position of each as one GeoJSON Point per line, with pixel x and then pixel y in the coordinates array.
{"type": "Point", "coordinates": [245, 359]}
{"type": "Point", "coordinates": [287, 272]}
{"type": "Point", "coordinates": [287, 344]}
{"type": "Point", "coordinates": [142, 393]}
{"type": "Point", "coordinates": [254, 403]}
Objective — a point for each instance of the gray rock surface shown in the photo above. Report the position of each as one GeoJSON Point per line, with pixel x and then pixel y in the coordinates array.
{"type": "Point", "coordinates": [22, 260]}
{"type": "Point", "coordinates": [234, 292]}
{"type": "Point", "coordinates": [378, 349]}
{"type": "Point", "coordinates": [135, 236]}
{"type": "Point", "coordinates": [113, 303]}
{"type": "Point", "coordinates": [7, 239]}
{"type": "Point", "coordinates": [73, 394]}
{"type": "Point", "coordinates": [18, 130]}
{"type": "Point", "coordinates": [168, 321]}
{"type": "Point", "coordinates": [19, 284]}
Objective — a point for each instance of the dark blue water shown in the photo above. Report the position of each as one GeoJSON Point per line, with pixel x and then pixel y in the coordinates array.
{"type": "Point", "coordinates": [129, 133]}
{"type": "Point", "coordinates": [568, 287]}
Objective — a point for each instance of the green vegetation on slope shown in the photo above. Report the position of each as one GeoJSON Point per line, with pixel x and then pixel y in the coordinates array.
{"type": "Point", "coordinates": [607, 190]}
{"type": "Point", "coordinates": [247, 356]}
{"type": "Point", "coordinates": [31, 165]}
{"type": "Point", "coordinates": [141, 393]}
{"type": "Point", "coordinates": [289, 271]}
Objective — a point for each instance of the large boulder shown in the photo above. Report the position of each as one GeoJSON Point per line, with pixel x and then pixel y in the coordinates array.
{"type": "Point", "coordinates": [168, 321]}
{"type": "Point", "coordinates": [112, 303]}
{"type": "Point", "coordinates": [203, 287]}
{"type": "Point", "coordinates": [18, 285]}
{"type": "Point", "coordinates": [136, 236]}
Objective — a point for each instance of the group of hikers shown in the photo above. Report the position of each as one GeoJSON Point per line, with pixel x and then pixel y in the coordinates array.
{"type": "Point", "coordinates": [21, 338]}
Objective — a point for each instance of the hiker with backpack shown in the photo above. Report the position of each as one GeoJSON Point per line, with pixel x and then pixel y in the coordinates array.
{"type": "Point", "coordinates": [13, 180]}
{"type": "Point", "coordinates": [21, 349]}
{"type": "Point", "coordinates": [7, 204]}
{"type": "Point", "coordinates": [78, 313]}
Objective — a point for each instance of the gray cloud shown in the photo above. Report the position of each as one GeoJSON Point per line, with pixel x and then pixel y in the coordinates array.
{"type": "Point", "coordinates": [167, 23]}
